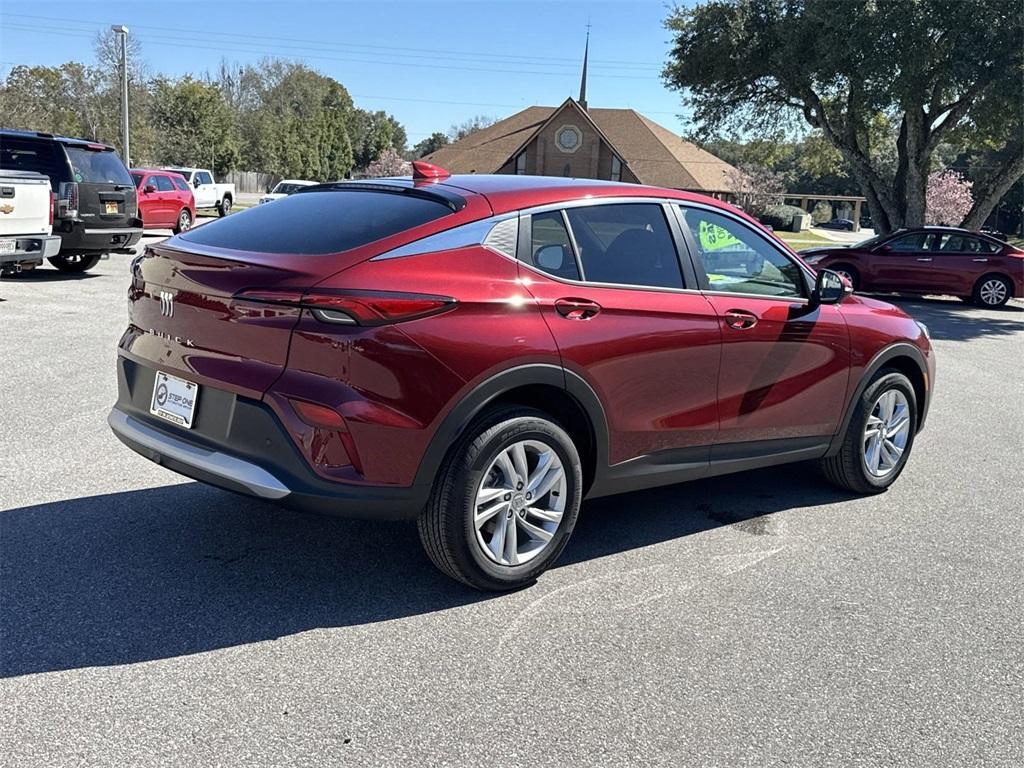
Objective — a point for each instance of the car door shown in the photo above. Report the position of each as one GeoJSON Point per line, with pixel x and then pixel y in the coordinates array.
{"type": "Point", "coordinates": [205, 190]}
{"type": "Point", "coordinates": [906, 263]}
{"type": "Point", "coordinates": [626, 317]}
{"type": "Point", "coordinates": [785, 365]}
{"type": "Point", "coordinates": [166, 201]}
{"type": "Point", "coordinates": [960, 259]}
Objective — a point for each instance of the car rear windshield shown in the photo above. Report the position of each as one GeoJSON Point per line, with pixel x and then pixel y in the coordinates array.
{"type": "Point", "coordinates": [39, 155]}
{"type": "Point", "coordinates": [319, 222]}
{"type": "Point", "coordinates": [97, 166]}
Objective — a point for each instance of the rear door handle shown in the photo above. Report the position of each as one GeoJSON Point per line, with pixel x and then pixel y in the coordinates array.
{"type": "Point", "coordinates": [577, 309]}
{"type": "Point", "coordinates": [980, 261]}
{"type": "Point", "coordinates": [740, 319]}
{"type": "Point", "coordinates": [924, 259]}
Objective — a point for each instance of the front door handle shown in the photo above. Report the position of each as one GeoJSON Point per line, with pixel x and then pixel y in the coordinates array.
{"type": "Point", "coordinates": [924, 259]}
{"type": "Point", "coordinates": [980, 261]}
{"type": "Point", "coordinates": [740, 319]}
{"type": "Point", "coordinates": [577, 309]}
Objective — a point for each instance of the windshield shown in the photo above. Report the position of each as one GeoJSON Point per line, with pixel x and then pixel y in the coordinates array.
{"type": "Point", "coordinates": [287, 189]}
{"type": "Point", "coordinates": [100, 166]}
{"type": "Point", "coordinates": [871, 242]}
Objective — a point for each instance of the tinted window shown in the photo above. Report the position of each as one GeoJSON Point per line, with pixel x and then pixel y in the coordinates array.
{"type": "Point", "coordinates": [626, 244]}
{"type": "Point", "coordinates": [550, 248]}
{"type": "Point", "coordinates": [138, 177]}
{"type": "Point", "coordinates": [287, 189]}
{"type": "Point", "coordinates": [30, 155]}
{"type": "Point", "coordinates": [203, 177]}
{"type": "Point", "coordinates": [101, 167]}
{"type": "Point", "coordinates": [956, 243]}
{"type": "Point", "coordinates": [180, 183]}
{"type": "Point", "coordinates": [738, 259]}
{"type": "Point", "coordinates": [912, 243]}
{"type": "Point", "coordinates": [319, 222]}
{"type": "Point", "coordinates": [163, 184]}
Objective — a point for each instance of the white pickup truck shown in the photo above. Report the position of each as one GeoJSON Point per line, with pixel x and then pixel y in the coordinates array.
{"type": "Point", "coordinates": [207, 192]}
{"type": "Point", "coordinates": [26, 221]}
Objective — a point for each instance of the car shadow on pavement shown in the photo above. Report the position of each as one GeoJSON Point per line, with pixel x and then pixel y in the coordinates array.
{"type": "Point", "coordinates": [950, 319]}
{"type": "Point", "coordinates": [46, 275]}
{"type": "Point", "coordinates": [182, 569]}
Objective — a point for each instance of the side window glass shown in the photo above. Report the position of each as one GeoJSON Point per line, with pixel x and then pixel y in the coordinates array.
{"type": "Point", "coordinates": [912, 243]}
{"type": "Point", "coordinates": [626, 244]}
{"type": "Point", "coordinates": [163, 184]}
{"type": "Point", "coordinates": [737, 259]}
{"type": "Point", "coordinates": [180, 183]}
{"type": "Point", "coordinates": [203, 178]}
{"type": "Point", "coordinates": [550, 248]}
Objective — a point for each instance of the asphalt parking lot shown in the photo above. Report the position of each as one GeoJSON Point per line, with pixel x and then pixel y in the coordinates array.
{"type": "Point", "coordinates": [758, 619]}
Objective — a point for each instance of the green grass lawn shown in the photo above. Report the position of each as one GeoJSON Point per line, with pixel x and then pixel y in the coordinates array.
{"type": "Point", "coordinates": [805, 239]}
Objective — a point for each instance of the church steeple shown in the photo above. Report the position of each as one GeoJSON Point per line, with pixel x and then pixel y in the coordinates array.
{"type": "Point", "coordinates": [583, 79]}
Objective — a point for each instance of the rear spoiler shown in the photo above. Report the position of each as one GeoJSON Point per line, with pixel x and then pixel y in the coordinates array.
{"type": "Point", "coordinates": [434, 192]}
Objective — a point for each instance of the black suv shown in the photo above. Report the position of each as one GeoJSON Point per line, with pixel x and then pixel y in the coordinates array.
{"type": "Point", "coordinates": [97, 209]}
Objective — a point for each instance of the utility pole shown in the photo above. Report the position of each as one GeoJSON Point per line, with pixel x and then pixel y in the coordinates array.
{"type": "Point", "coordinates": [122, 32]}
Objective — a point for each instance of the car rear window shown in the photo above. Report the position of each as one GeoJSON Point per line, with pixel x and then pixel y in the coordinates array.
{"type": "Point", "coordinates": [41, 156]}
{"type": "Point", "coordinates": [97, 166]}
{"type": "Point", "coordinates": [319, 222]}
{"type": "Point", "coordinates": [180, 183]}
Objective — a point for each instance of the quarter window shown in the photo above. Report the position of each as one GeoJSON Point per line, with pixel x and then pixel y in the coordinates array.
{"type": "Point", "coordinates": [550, 247]}
{"type": "Point", "coordinates": [737, 259]}
{"type": "Point", "coordinates": [626, 244]}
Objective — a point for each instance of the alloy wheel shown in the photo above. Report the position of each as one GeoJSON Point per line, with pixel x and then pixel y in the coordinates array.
{"type": "Point", "coordinates": [519, 503]}
{"type": "Point", "coordinates": [993, 292]}
{"type": "Point", "coordinates": [184, 221]}
{"type": "Point", "coordinates": [886, 432]}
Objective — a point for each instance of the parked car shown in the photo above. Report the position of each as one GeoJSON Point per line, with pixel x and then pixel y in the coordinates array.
{"type": "Point", "coordinates": [26, 221]}
{"type": "Point", "coordinates": [284, 188]}
{"type": "Point", "coordinates": [207, 192]}
{"type": "Point", "coordinates": [165, 200]}
{"type": "Point", "coordinates": [846, 224]}
{"type": "Point", "coordinates": [936, 260]}
{"type": "Point", "coordinates": [483, 352]}
{"type": "Point", "coordinates": [97, 209]}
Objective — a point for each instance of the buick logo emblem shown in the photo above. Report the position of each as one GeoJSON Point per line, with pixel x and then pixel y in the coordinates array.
{"type": "Point", "coordinates": [166, 303]}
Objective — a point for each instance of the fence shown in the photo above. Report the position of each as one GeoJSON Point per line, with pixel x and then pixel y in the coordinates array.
{"type": "Point", "coordinates": [250, 181]}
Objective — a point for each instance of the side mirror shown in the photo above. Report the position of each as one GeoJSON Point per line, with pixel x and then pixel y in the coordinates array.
{"type": "Point", "coordinates": [830, 288]}
{"type": "Point", "coordinates": [149, 189]}
{"type": "Point", "coordinates": [550, 257]}
{"type": "Point", "coordinates": [196, 183]}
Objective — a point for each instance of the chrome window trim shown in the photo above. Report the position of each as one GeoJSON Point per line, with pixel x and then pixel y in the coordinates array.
{"type": "Point", "coordinates": [462, 236]}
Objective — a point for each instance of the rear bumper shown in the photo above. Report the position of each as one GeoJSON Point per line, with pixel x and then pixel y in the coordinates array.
{"type": "Point", "coordinates": [240, 445]}
{"type": "Point", "coordinates": [31, 248]}
{"type": "Point", "coordinates": [78, 237]}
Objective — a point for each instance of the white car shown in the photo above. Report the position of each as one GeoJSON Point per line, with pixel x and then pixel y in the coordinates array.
{"type": "Point", "coordinates": [284, 188]}
{"type": "Point", "coordinates": [207, 192]}
{"type": "Point", "coordinates": [26, 221]}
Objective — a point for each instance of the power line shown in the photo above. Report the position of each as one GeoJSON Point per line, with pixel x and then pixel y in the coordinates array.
{"type": "Point", "coordinates": [162, 41]}
{"type": "Point", "coordinates": [434, 53]}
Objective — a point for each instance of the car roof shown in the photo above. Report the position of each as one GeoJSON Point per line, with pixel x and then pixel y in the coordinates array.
{"type": "Point", "coordinates": [89, 143]}
{"type": "Point", "coordinates": [153, 170]}
{"type": "Point", "coordinates": [507, 192]}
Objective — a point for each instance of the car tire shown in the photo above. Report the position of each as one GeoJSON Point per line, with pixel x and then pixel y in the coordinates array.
{"type": "Point", "coordinates": [484, 472]}
{"type": "Point", "coordinates": [184, 222]}
{"type": "Point", "coordinates": [850, 272]}
{"type": "Point", "coordinates": [224, 207]}
{"type": "Point", "coordinates": [75, 262]}
{"type": "Point", "coordinates": [992, 291]}
{"type": "Point", "coordinates": [854, 467]}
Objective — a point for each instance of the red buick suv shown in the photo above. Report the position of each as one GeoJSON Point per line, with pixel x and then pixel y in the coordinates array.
{"type": "Point", "coordinates": [482, 353]}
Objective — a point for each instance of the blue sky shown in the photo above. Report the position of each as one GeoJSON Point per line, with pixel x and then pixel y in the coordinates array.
{"type": "Point", "coordinates": [430, 64]}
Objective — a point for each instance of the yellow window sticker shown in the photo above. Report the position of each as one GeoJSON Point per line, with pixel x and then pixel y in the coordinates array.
{"type": "Point", "coordinates": [713, 237]}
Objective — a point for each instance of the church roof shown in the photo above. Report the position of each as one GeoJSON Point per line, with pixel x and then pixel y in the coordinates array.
{"type": "Point", "coordinates": [654, 154]}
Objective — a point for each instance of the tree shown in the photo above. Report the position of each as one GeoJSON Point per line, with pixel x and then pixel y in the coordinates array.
{"type": "Point", "coordinates": [372, 133]}
{"type": "Point", "coordinates": [432, 143]}
{"type": "Point", "coordinates": [948, 198]}
{"type": "Point", "coordinates": [924, 66]}
{"type": "Point", "coordinates": [390, 163]}
{"type": "Point", "coordinates": [471, 125]}
{"type": "Point", "coordinates": [756, 188]}
{"type": "Point", "coordinates": [194, 125]}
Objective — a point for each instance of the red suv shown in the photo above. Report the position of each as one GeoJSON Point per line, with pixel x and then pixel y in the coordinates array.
{"type": "Point", "coordinates": [938, 260]}
{"type": "Point", "coordinates": [165, 200]}
{"type": "Point", "coordinates": [481, 353]}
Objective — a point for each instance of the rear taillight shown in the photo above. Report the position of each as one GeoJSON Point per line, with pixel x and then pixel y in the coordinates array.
{"type": "Point", "coordinates": [357, 307]}
{"type": "Point", "coordinates": [53, 206]}
{"type": "Point", "coordinates": [67, 200]}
